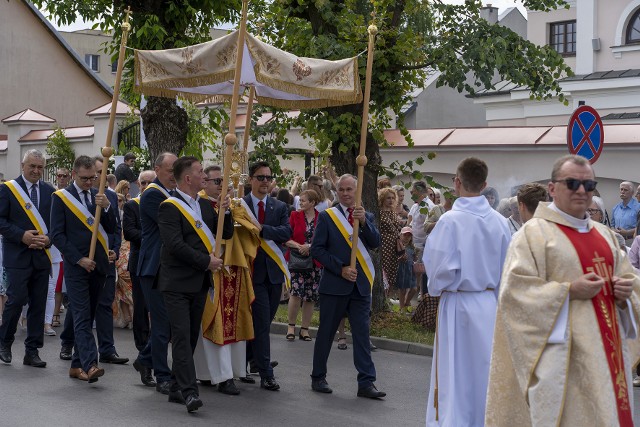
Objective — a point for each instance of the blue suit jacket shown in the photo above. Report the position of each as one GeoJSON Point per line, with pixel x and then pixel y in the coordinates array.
{"type": "Point", "coordinates": [115, 238]}
{"type": "Point", "coordinates": [14, 222]}
{"type": "Point", "coordinates": [276, 227]}
{"type": "Point", "coordinates": [72, 237]}
{"type": "Point", "coordinates": [331, 250]}
{"type": "Point", "coordinates": [149, 257]}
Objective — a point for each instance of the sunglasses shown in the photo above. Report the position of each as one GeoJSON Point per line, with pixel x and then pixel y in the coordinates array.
{"type": "Point", "coordinates": [87, 178]}
{"type": "Point", "coordinates": [216, 181]}
{"type": "Point", "coordinates": [574, 184]}
{"type": "Point", "coordinates": [62, 175]}
{"type": "Point", "coordinates": [145, 182]}
{"type": "Point", "coordinates": [261, 178]}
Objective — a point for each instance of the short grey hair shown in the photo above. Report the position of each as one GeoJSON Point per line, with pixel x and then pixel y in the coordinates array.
{"type": "Point", "coordinates": [398, 187]}
{"type": "Point", "coordinates": [420, 186]}
{"type": "Point", "coordinates": [345, 176]}
{"type": "Point", "coordinates": [36, 154]}
{"type": "Point", "coordinates": [600, 203]}
{"type": "Point", "coordinates": [627, 184]}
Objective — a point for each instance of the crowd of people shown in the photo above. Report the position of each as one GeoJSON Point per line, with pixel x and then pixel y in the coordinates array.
{"type": "Point", "coordinates": [519, 266]}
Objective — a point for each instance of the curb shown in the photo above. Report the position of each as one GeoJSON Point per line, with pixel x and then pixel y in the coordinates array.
{"type": "Point", "coordinates": [381, 343]}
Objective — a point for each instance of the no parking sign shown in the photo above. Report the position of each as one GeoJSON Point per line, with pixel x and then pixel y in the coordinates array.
{"type": "Point", "coordinates": [585, 133]}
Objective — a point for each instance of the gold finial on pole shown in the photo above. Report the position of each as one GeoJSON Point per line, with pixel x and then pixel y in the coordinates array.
{"type": "Point", "coordinates": [107, 150]}
{"type": "Point", "coordinates": [361, 160]}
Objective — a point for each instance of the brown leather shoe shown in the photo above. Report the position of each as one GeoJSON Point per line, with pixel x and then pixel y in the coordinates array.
{"type": "Point", "coordinates": [78, 373]}
{"type": "Point", "coordinates": [94, 373]}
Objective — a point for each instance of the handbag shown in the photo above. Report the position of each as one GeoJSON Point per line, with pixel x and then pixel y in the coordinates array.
{"type": "Point", "coordinates": [418, 267]}
{"type": "Point", "coordinates": [426, 313]}
{"type": "Point", "coordinates": [298, 262]}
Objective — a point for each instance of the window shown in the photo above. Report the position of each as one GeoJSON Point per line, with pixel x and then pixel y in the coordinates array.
{"type": "Point", "coordinates": [562, 37]}
{"type": "Point", "coordinates": [93, 62]}
{"type": "Point", "coordinates": [633, 29]}
{"type": "Point", "coordinates": [114, 67]}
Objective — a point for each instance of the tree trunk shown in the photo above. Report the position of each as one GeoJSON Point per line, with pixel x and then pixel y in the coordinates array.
{"type": "Point", "coordinates": [346, 163]}
{"type": "Point", "coordinates": [165, 126]}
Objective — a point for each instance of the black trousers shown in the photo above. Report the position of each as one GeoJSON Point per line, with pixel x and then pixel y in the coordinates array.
{"type": "Point", "coordinates": [25, 286]}
{"type": "Point", "coordinates": [263, 308]}
{"type": "Point", "coordinates": [140, 313]}
{"type": "Point", "coordinates": [185, 316]}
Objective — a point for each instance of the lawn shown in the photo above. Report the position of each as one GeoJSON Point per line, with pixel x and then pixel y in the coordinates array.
{"type": "Point", "coordinates": [390, 324]}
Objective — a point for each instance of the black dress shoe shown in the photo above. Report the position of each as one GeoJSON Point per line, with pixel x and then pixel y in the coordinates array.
{"type": "Point", "coordinates": [320, 385]}
{"type": "Point", "coordinates": [206, 383]}
{"type": "Point", "coordinates": [145, 374]}
{"type": "Point", "coordinates": [114, 358]}
{"type": "Point", "coordinates": [5, 354]}
{"type": "Point", "coordinates": [176, 397]}
{"type": "Point", "coordinates": [248, 379]}
{"type": "Point", "coordinates": [34, 361]}
{"type": "Point", "coordinates": [228, 387]}
{"type": "Point", "coordinates": [371, 392]}
{"type": "Point", "coordinates": [163, 387]}
{"type": "Point", "coordinates": [66, 352]}
{"type": "Point", "coordinates": [193, 402]}
{"type": "Point", "coordinates": [269, 384]}
{"type": "Point", "coordinates": [253, 367]}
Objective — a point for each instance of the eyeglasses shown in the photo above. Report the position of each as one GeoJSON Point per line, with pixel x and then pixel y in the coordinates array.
{"type": "Point", "coordinates": [593, 211]}
{"type": "Point", "coordinates": [87, 178]}
{"type": "Point", "coordinates": [574, 184]}
{"type": "Point", "coordinates": [216, 181]}
{"type": "Point", "coordinates": [144, 182]}
{"type": "Point", "coordinates": [62, 175]}
{"type": "Point", "coordinates": [261, 178]}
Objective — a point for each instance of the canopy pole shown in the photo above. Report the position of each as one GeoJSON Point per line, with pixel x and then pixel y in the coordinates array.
{"type": "Point", "coordinates": [361, 160]}
{"type": "Point", "coordinates": [107, 150]}
{"type": "Point", "coordinates": [230, 138]}
{"type": "Point", "coordinates": [245, 142]}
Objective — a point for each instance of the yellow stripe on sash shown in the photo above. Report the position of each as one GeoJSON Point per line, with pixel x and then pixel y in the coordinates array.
{"type": "Point", "coordinates": [278, 258]}
{"type": "Point", "coordinates": [83, 219]}
{"type": "Point", "coordinates": [136, 199]}
{"type": "Point", "coordinates": [27, 208]}
{"type": "Point", "coordinates": [347, 237]}
{"type": "Point", "coordinates": [195, 223]}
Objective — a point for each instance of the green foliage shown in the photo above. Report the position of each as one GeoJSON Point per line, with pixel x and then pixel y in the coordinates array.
{"type": "Point", "coordinates": [270, 140]}
{"type": "Point", "coordinates": [59, 151]}
{"type": "Point", "coordinates": [205, 128]}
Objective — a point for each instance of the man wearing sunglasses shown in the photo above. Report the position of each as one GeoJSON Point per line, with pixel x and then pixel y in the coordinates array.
{"type": "Point", "coordinates": [63, 177]}
{"type": "Point", "coordinates": [212, 184]}
{"type": "Point", "coordinates": [624, 216]}
{"type": "Point", "coordinates": [568, 303]}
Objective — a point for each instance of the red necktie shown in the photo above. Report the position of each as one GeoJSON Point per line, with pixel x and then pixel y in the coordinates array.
{"type": "Point", "coordinates": [350, 216]}
{"type": "Point", "coordinates": [261, 212]}
{"type": "Point", "coordinates": [214, 204]}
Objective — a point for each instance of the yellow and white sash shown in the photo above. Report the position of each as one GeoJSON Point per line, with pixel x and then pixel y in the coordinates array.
{"type": "Point", "coordinates": [159, 188]}
{"type": "Point", "coordinates": [271, 248]}
{"type": "Point", "coordinates": [198, 225]}
{"type": "Point", "coordinates": [137, 200]}
{"type": "Point", "coordinates": [362, 255]}
{"type": "Point", "coordinates": [84, 216]}
{"type": "Point", "coordinates": [29, 209]}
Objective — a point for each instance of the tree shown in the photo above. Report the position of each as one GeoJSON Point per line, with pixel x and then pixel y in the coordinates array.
{"type": "Point", "coordinates": [414, 35]}
{"type": "Point", "coordinates": [59, 150]}
{"type": "Point", "coordinates": [157, 24]}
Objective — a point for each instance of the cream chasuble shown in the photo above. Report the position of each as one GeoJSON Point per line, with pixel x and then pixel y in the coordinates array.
{"type": "Point", "coordinates": [540, 380]}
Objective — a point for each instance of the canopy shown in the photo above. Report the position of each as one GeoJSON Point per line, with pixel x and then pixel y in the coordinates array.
{"type": "Point", "coordinates": [281, 79]}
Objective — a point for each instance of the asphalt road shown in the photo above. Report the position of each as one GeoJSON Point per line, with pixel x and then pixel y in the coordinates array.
{"type": "Point", "coordinates": [48, 397]}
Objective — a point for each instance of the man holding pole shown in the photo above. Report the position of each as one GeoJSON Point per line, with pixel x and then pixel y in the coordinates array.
{"type": "Point", "coordinates": [343, 289]}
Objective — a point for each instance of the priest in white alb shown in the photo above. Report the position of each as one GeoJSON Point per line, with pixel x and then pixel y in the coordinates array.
{"type": "Point", "coordinates": [463, 258]}
{"type": "Point", "coordinates": [566, 329]}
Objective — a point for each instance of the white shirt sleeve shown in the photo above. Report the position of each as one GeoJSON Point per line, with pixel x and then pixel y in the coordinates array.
{"type": "Point", "coordinates": [559, 332]}
{"type": "Point", "coordinates": [628, 322]}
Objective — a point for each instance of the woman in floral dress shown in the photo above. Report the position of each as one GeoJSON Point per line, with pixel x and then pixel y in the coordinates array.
{"type": "Point", "coordinates": [389, 234]}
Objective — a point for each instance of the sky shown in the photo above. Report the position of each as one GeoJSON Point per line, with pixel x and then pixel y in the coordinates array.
{"type": "Point", "coordinates": [501, 4]}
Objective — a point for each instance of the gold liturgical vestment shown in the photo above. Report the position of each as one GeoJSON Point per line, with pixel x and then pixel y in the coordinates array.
{"type": "Point", "coordinates": [227, 319]}
{"type": "Point", "coordinates": [536, 383]}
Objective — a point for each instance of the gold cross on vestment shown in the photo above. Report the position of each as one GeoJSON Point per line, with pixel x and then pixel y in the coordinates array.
{"type": "Point", "coordinates": [603, 270]}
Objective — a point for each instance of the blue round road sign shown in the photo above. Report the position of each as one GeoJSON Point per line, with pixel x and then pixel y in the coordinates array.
{"type": "Point", "coordinates": [585, 133]}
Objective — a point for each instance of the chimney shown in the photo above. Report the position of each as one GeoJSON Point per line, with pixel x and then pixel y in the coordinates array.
{"type": "Point", "coordinates": [489, 13]}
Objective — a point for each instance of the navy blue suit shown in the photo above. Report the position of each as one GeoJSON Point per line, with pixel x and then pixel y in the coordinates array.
{"type": "Point", "coordinates": [73, 239]}
{"type": "Point", "coordinates": [154, 354]}
{"type": "Point", "coordinates": [104, 310]}
{"type": "Point", "coordinates": [132, 231]}
{"type": "Point", "coordinates": [339, 296]}
{"type": "Point", "coordinates": [267, 283]}
{"type": "Point", "coordinates": [27, 269]}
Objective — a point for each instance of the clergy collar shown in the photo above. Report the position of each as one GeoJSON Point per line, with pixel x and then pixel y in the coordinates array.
{"type": "Point", "coordinates": [582, 225]}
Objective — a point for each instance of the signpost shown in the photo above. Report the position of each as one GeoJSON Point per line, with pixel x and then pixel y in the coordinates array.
{"type": "Point", "coordinates": [585, 133]}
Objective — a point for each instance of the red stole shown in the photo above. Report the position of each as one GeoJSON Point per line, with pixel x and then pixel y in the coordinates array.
{"type": "Point", "coordinates": [596, 257]}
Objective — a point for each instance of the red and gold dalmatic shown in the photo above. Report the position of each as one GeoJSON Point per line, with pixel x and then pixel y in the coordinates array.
{"type": "Point", "coordinates": [596, 257]}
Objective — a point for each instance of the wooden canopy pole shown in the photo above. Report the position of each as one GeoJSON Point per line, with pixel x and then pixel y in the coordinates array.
{"type": "Point", "coordinates": [247, 129]}
{"type": "Point", "coordinates": [230, 138]}
{"type": "Point", "coordinates": [107, 150]}
{"type": "Point", "coordinates": [361, 160]}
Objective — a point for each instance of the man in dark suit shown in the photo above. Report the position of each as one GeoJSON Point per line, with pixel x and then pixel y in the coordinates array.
{"type": "Point", "coordinates": [154, 355]}
{"type": "Point", "coordinates": [104, 311]}
{"type": "Point", "coordinates": [273, 216]}
{"type": "Point", "coordinates": [25, 204]}
{"type": "Point", "coordinates": [72, 213]}
{"type": "Point", "coordinates": [187, 224]}
{"type": "Point", "coordinates": [133, 233]}
{"type": "Point", "coordinates": [344, 289]}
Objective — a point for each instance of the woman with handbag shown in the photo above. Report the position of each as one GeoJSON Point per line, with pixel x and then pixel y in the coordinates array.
{"type": "Point", "coordinates": [305, 272]}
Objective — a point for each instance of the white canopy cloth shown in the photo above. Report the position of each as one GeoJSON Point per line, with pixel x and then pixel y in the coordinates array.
{"type": "Point", "coordinates": [280, 79]}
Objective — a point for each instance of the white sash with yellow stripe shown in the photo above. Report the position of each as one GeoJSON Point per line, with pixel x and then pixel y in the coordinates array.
{"type": "Point", "coordinates": [84, 216]}
{"type": "Point", "coordinates": [362, 255]}
{"type": "Point", "coordinates": [29, 209]}
{"type": "Point", "coordinates": [159, 188]}
{"type": "Point", "coordinates": [271, 248]}
{"type": "Point", "coordinates": [203, 231]}
{"type": "Point", "coordinates": [136, 199]}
